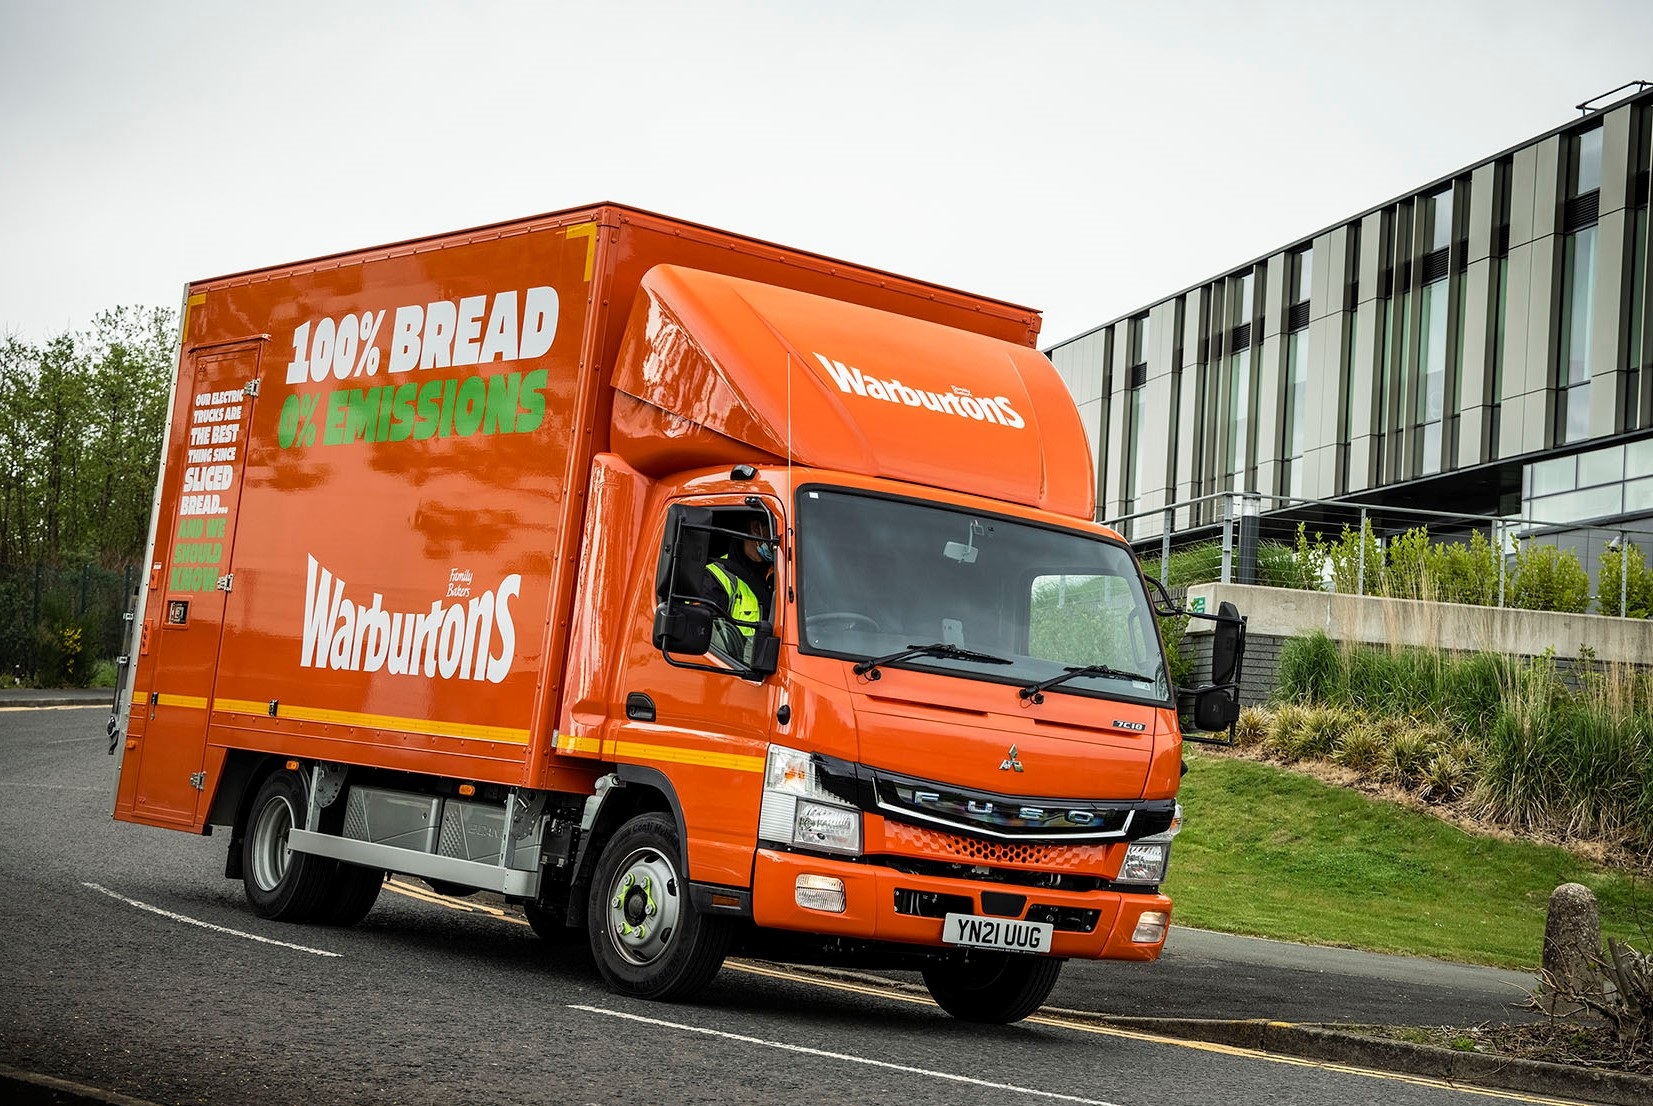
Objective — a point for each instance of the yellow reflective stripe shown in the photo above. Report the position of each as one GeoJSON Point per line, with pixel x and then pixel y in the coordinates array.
{"type": "Point", "coordinates": [436, 727]}
{"type": "Point", "coordinates": [194, 702]}
{"type": "Point", "coordinates": [568, 743]}
{"type": "Point", "coordinates": [677, 755]}
{"type": "Point", "coordinates": [588, 231]}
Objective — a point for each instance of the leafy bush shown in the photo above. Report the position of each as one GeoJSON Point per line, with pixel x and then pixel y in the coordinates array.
{"type": "Point", "coordinates": [1627, 574]}
{"type": "Point", "coordinates": [1311, 670]}
{"type": "Point", "coordinates": [1361, 748]}
{"type": "Point", "coordinates": [1545, 578]}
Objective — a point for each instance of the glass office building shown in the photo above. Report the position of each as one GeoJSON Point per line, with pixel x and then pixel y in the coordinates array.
{"type": "Point", "coordinates": [1478, 345]}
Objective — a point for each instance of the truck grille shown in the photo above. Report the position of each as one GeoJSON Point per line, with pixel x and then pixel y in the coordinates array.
{"type": "Point", "coordinates": [935, 844]}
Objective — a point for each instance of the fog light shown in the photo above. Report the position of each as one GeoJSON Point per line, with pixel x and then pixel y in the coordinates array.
{"type": "Point", "coordinates": [1150, 928]}
{"type": "Point", "coordinates": [819, 893]}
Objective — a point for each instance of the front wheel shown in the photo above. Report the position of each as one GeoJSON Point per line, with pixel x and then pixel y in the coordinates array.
{"type": "Point", "coordinates": [993, 987]}
{"type": "Point", "coordinates": [647, 937]}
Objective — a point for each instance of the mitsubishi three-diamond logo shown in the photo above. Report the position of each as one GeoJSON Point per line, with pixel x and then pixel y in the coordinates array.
{"type": "Point", "coordinates": [1010, 763]}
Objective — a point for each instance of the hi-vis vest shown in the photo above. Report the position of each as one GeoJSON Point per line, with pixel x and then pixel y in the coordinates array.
{"type": "Point", "coordinates": [743, 601]}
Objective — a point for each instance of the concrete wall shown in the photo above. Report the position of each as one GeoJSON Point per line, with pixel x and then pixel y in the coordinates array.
{"type": "Point", "coordinates": [1275, 615]}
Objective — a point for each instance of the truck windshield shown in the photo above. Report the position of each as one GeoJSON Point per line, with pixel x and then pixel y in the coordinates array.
{"type": "Point", "coordinates": [894, 579]}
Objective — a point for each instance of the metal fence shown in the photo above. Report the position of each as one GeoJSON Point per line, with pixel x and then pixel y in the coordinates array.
{"type": "Point", "coordinates": [58, 621]}
{"type": "Point", "coordinates": [1243, 527]}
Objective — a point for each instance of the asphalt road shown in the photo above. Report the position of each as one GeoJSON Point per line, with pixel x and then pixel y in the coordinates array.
{"type": "Point", "coordinates": [130, 965]}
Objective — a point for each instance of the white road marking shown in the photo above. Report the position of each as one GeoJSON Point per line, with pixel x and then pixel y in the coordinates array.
{"type": "Point", "coordinates": [52, 786]}
{"type": "Point", "coordinates": [951, 1077]}
{"type": "Point", "coordinates": [206, 925]}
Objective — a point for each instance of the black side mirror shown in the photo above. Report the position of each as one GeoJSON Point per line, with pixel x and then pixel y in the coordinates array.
{"type": "Point", "coordinates": [684, 556]}
{"type": "Point", "coordinates": [1227, 645]}
{"type": "Point", "coordinates": [766, 651]}
{"type": "Point", "coordinates": [684, 628]}
{"type": "Point", "coordinates": [1216, 708]}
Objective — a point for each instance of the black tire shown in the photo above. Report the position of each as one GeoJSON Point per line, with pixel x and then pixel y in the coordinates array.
{"type": "Point", "coordinates": [354, 891]}
{"type": "Point", "coordinates": [548, 924]}
{"type": "Point", "coordinates": [992, 987]}
{"type": "Point", "coordinates": [282, 885]}
{"type": "Point", "coordinates": [451, 890]}
{"type": "Point", "coordinates": [646, 936]}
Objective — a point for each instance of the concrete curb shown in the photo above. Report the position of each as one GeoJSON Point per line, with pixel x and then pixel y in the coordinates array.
{"type": "Point", "coordinates": [1343, 1046]}
{"type": "Point", "coordinates": [1340, 1045]}
{"type": "Point", "coordinates": [25, 1088]}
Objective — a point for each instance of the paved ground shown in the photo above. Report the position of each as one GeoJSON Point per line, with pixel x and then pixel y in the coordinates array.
{"type": "Point", "coordinates": [1236, 990]}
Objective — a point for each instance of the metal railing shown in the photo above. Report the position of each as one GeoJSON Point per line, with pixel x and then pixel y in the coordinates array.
{"type": "Point", "coordinates": [1241, 523]}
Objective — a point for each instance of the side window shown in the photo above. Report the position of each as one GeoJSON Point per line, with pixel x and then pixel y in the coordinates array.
{"type": "Point", "coordinates": [715, 586]}
{"type": "Point", "coordinates": [1082, 619]}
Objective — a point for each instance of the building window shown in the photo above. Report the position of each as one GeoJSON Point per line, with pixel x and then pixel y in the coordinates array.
{"type": "Point", "coordinates": [1578, 287]}
{"type": "Point", "coordinates": [1438, 220]}
{"type": "Point", "coordinates": [1136, 380]}
{"type": "Point", "coordinates": [1431, 406]}
{"type": "Point", "coordinates": [1240, 391]}
{"type": "Point", "coordinates": [1239, 420]}
{"type": "Point", "coordinates": [1301, 278]}
{"type": "Point", "coordinates": [1297, 380]}
{"type": "Point", "coordinates": [1638, 410]}
{"type": "Point", "coordinates": [1584, 163]}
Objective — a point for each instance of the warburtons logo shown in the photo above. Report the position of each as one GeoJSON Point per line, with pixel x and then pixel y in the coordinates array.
{"type": "Point", "coordinates": [453, 641]}
{"type": "Point", "coordinates": [959, 401]}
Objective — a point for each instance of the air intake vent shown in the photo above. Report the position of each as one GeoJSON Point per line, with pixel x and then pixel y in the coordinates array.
{"type": "Point", "coordinates": [1298, 317]}
{"type": "Point", "coordinates": [1240, 337]}
{"type": "Point", "coordinates": [1581, 212]}
{"type": "Point", "coordinates": [1139, 375]}
{"type": "Point", "coordinates": [1435, 265]}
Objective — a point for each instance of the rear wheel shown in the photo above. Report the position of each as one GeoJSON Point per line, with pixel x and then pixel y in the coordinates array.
{"type": "Point", "coordinates": [282, 885]}
{"type": "Point", "coordinates": [648, 939]}
{"type": "Point", "coordinates": [353, 892]}
{"type": "Point", "coordinates": [994, 987]}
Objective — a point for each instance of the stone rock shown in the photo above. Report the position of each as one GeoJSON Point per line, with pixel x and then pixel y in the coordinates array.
{"type": "Point", "coordinates": [1572, 949]}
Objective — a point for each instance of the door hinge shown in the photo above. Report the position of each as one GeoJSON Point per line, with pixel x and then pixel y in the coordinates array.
{"type": "Point", "coordinates": [226, 582]}
{"type": "Point", "coordinates": [198, 781]}
{"type": "Point", "coordinates": [250, 388]}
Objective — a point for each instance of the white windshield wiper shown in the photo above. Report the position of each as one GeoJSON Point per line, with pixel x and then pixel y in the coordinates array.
{"type": "Point", "coordinates": [1036, 691]}
{"type": "Point", "coordinates": [871, 665]}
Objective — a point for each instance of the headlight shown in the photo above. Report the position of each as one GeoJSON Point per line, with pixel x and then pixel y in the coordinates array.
{"type": "Point", "coordinates": [797, 810]}
{"type": "Point", "coordinates": [1147, 860]}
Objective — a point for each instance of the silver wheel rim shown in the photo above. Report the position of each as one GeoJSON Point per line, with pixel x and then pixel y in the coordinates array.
{"type": "Point", "coordinates": [643, 906]}
{"type": "Point", "coordinates": [270, 853]}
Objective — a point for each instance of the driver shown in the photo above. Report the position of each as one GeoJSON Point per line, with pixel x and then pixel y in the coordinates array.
{"type": "Point", "coordinates": [742, 581]}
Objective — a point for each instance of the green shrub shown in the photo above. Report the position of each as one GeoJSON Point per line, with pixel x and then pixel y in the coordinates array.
{"type": "Point", "coordinates": [1627, 575]}
{"type": "Point", "coordinates": [1252, 729]}
{"type": "Point", "coordinates": [1322, 731]}
{"type": "Point", "coordinates": [1408, 575]}
{"type": "Point", "coordinates": [1311, 670]}
{"type": "Point", "coordinates": [1361, 748]}
{"type": "Point", "coordinates": [1545, 578]}
{"type": "Point", "coordinates": [1406, 757]}
{"type": "Point", "coordinates": [1285, 729]}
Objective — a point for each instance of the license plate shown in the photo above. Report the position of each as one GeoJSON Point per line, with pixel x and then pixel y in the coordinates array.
{"type": "Point", "coordinates": [1006, 934]}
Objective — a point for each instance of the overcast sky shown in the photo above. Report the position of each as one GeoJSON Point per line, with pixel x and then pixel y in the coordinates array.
{"type": "Point", "coordinates": [1084, 159]}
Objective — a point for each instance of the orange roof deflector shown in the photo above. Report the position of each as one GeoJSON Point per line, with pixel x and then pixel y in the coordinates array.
{"type": "Point", "coordinates": [713, 368]}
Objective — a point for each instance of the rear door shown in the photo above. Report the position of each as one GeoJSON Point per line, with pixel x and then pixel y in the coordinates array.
{"type": "Point", "coordinates": [192, 575]}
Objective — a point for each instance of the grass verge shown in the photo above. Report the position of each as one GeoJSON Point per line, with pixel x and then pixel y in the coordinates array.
{"type": "Point", "coordinates": [1267, 852]}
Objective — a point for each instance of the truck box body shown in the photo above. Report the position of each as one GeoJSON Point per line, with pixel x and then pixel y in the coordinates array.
{"type": "Point", "coordinates": [417, 529]}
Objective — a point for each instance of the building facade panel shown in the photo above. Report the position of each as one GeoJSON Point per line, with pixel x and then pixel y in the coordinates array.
{"type": "Point", "coordinates": [1439, 349]}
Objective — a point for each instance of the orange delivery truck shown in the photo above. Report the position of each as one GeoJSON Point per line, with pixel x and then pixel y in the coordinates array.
{"type": "Point", "coordinates": [697, 594]}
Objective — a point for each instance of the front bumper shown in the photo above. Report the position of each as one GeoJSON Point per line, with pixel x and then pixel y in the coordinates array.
{"type": "Point", "coordinates": [883, 904]}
